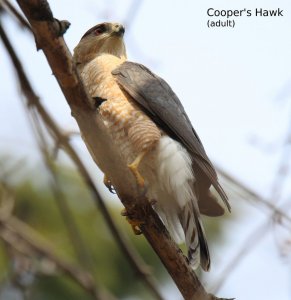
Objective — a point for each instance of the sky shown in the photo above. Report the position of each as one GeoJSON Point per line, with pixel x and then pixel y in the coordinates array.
{"type": "Point", "coordinates": [235, 84]}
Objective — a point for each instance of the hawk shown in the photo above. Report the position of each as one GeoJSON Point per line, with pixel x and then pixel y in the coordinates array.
{"type": "Point", "coordinates": [154, 136]}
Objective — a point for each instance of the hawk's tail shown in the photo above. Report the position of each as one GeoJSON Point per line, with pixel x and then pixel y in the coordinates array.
{"type": "Point", "coordinates": [195, 239]}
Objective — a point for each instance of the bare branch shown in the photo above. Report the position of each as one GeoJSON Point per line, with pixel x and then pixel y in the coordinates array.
{"type": "Point", "coordinates": [249, 194]}
{"type": "Point", "coordinates": [250, 242]}
{"type": "Point", "coordinates": [12, 229]}
{"type": "Point", "coordinates": [277, 215]}
{"type": "Point", "coordinates": [49, 39]}
{"type": "Point", "coordinates": [136, 262]}
{"type": "Point", "coordinates": [9, 7]}
{"type": "Point", "coordinates": [26, 240]}
{"type": "Point", "coordinates": [74, 234]}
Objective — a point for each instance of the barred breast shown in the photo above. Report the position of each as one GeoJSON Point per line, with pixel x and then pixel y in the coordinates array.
{"type": "Point", "coordinates": [131, 129]}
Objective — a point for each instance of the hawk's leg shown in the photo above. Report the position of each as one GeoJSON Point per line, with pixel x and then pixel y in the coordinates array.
{"type": "Point", "coordinates": [108, 184]}
{"type": "Point", "coordinates": [134, 169]}
{"type": "Point", "coordinates": [135, 224]}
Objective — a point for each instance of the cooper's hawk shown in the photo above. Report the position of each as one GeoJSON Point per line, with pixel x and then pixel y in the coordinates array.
{"type": "Point", "coordinates": [149, 126]}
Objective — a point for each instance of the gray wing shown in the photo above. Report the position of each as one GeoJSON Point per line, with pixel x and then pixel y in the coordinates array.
{"type": "Point", "coordinates": [161, 104]}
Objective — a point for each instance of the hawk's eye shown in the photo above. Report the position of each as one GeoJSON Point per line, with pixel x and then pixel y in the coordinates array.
{"type": "Point", "coordinates": [99, 30]}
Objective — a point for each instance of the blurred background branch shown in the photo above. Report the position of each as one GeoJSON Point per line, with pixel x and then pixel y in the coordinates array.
{"type": "Point", "coordinates": [246, 194]}
{"type": "Point", "coordinates": [28, 242]}
{"type": "Point", "coordinates": [13, 11]}
{"type": "Point", "coordinates": [33, 105]}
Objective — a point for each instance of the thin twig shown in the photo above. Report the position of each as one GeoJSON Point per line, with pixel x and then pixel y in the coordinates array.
{"type": "Point", "coordinates": [11, 9]}
{"type": "Point", "coordinates": [74, 234]}
{"type": "Point", "coordinates": [132, 13]}
{"type": "Point", "coordinates": [249, 194]}
{"type": "Point", "coordinates": [283, 170]}
{"type": "Point", "coordinates": [13, 229]}
{"type": "Point", "coordinates": [7, 201]}
{"type": "Point", "coordinates": [73, 231]}
{"type": "Point", "coordinates": [250, 242]}
{"type": "Point", "coordinates": [131, 255]}
{"type": "Point", "coordinates": [259, 232]}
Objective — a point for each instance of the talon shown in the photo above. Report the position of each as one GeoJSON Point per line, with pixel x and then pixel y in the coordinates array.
{"type": "Point", "coordinates": [135, 224]}
{"type": "Point", "coordinates": [112, 190]}
{"type": "Point", "coordinates": [108, 184]}
{"type": "Point", "coordinates": [134, 169]}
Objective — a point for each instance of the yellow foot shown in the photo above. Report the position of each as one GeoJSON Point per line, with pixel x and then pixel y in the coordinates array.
{"type": "Point", "coordinates": [134, 169]}
{"type": "Point", "coordinates": [108, 184]}
{"type": "Point", "coordinates": [135, 224]}
{"type": "Point", "coordinates": [138, 177]}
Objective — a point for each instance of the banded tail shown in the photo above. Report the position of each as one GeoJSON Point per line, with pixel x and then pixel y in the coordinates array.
{"type": "Point", "coordinates": [198, 253]}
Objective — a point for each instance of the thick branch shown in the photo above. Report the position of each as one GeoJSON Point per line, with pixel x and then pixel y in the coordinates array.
{"type": "Point", "coordinates": [136, 262]}
{"type": "Point", "coordinates": [48, 36]}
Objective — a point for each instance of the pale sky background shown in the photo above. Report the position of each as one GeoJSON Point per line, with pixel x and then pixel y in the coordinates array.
{"type": "Point", "coordinates": [235, 84]}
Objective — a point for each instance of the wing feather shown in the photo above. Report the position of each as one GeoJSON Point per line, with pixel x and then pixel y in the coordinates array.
{"type": "Point", "coordinates": [162, 105]}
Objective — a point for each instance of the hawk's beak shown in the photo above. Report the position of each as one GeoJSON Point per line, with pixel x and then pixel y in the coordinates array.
{"type": "Point", "coordinates": [118, 30]}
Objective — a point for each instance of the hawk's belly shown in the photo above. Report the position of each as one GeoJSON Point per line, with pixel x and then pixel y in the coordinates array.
{"type": "Point", "coordinates": [166, 167]}
{"type": "Point", "coordinates": [131, 130]}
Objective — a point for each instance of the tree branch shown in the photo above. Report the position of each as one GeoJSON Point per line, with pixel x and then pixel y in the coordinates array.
{"type": "Point", "coordinates": [136, 262]}
{"type": "Point", "coordinates": [48, 37]}
{"type": "Point", "coordinates": [248, 194]}
{"type": "Point", "coordinates": [10, 8]}
{"type": "Point", "coordinates": [15, 232]}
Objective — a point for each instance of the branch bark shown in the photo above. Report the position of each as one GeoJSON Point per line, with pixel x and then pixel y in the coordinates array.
{"type": "Point", "coordinates": [48, 34]}
{"type": "Point", "coordinates": [61, 139]}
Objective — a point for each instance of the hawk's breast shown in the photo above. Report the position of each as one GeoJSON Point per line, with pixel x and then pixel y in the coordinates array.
{"type": "Point", "coordinates": [131, 129]}
{"type": "Point", "coordinates": [167, 166]}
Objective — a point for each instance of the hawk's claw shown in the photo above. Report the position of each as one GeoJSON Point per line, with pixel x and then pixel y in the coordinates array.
{"type": "Point", "coordinates": [108, 184]}
{"type": "Point", "coordinates": [135, 227]}
{"type": "Point", "coordinates": [135, 224]}
{"type": "Point", "coordinates": [112, 189]}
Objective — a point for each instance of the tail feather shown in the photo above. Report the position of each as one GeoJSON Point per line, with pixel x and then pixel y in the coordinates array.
{"type": "Point", "coordinates": [198, 253]}
{"type": "Point", "coordinates": [204, 251]}
{"type": "Point", "coordinates": [209, 206]}
{"type": "Point", "coordinates": [172, 222]}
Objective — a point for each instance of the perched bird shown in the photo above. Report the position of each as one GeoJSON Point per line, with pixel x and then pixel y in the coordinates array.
{"type": "Point", "coordinates": [154, 135]}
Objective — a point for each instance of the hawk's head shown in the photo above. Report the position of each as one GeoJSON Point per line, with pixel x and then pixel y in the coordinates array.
{"type": "Point", "coordinates": [104, 38]}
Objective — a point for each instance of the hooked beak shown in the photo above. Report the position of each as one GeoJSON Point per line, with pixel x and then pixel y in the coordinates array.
{"type": "Point", "coordinates": [118, 30]}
